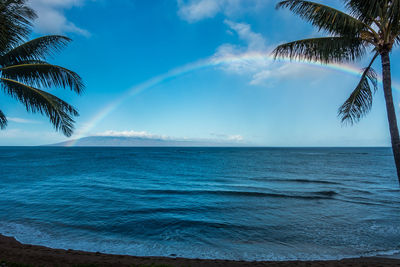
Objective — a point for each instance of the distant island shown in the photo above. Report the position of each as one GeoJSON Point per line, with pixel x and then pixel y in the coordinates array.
{"type": "Point", "coordinates": [122, 141]}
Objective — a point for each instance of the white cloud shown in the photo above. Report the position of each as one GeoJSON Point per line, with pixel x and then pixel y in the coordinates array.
{"type": "Point", "coordinates": [236, 138]}
{"type": "Point", "coordinates": [255, 41]}
{"type": "Point", "coordinates": [247, 62]}
{"type": "Point", "coordinates": [272, 73]}
{"type": "Point", "coordinates": [252, 58]}
{"type": "Point", "coordinates": [144, 134]}
{"type": "Point", "coordinates": [21, 120]}
{"type": "Point", "coordinates": [51, 18]}
{"type": "Point", "coordinates": [141, 134]}
{"type": "Point", "coordinates": [226, 137]}
{"type": "Point", "coordinates": [196, 10]}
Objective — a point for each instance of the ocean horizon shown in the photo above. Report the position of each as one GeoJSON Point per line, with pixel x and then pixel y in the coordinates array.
{"type": "Point", "coordinates": [238, 203]}
{"type": "Point", "coordinates": [246, 146]}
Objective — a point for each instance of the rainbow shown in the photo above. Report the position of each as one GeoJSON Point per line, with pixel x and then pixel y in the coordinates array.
{"type": "Point", "coordinates": [202, 64]}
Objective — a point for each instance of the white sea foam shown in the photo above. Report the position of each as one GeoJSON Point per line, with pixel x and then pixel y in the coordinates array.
{"type": "Point", "coordinates": [31, 235]}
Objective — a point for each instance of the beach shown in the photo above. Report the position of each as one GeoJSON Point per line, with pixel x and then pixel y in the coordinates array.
{"type": "Point", "coordinates": [12, 251]}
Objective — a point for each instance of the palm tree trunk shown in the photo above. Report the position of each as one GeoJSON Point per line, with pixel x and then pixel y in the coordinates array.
{"type": "Point", "coordinates": [391, 113]}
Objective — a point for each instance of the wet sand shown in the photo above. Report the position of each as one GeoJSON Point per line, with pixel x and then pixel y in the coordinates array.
{"type": "Point", "coordinates": [12, 251]}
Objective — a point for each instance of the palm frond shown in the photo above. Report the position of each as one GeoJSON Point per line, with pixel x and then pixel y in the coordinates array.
{"type": "Point", "coordinates": [324, 50]}
{"type": "Point", "coordinates": [15, 22]}
{"type": "Point", "coordinates": [36, 49]}
{"type": "Point", "coordinates": [397, 40]}
{"type": "Point", "coordinates": [325, 18]}
{"type": "Point", "coordinates": [366, 10]}
{"type": "Point", "coordinates": [360, 101]}
{"type": "Point", "coordinates": [37, 101]}
{"type": "Point", "coordinates": [384, 13]}
{"type": "Point", "coordinates": [394, 15]}
{"type": "Point", "coordinates": [44, 75]}
{"type": "Point", "coordinates": [3, 120]}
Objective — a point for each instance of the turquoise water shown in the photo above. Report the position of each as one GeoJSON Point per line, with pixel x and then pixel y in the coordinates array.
{"type": "Point", "coordinates": [230, 203]}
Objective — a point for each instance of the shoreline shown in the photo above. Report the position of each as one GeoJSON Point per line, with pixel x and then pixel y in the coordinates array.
{"type": "Point", "coordinates": [14, 252]}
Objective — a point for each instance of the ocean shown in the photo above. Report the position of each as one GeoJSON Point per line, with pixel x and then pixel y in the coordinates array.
{"type": "Point", "coordinates": [226, 203]}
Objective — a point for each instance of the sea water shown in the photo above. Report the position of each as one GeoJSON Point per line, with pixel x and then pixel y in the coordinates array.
{"type": "Point", "coordinates": [227, 203]}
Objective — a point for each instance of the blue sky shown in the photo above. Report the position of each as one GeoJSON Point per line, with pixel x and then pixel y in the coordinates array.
{"type": "Point", "coordinates": [121, 44]}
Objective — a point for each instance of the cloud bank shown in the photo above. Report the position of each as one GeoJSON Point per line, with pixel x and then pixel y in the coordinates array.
{"type": "Point", "coordinates": [144, 134]}
{"type": "Point", "coordinates": [132, 133]}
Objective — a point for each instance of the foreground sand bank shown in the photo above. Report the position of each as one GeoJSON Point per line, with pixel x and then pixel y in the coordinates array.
{"type": "Point", "coordinates": [13, 251]}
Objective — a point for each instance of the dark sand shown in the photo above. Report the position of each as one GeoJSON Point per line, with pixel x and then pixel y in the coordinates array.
{"type": "Point", "coordinates": [12, 251]}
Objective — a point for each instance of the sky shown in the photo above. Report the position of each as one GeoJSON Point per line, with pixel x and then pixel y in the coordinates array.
{"type": "Point", "coordinates": [196, 70]}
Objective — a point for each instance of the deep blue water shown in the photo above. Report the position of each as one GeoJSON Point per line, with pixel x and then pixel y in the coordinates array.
{"type": "Point", "coordinates": [231, 203]}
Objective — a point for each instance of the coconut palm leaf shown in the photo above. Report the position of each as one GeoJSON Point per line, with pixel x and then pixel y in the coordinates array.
{"type": "Point", "coordinates": [324, 17]}
{"type": "Point", "coordinates": [37, 101]}
{"type": "Point", "coordinates": [360, 101]}
{"type": "Point", "coordinates": [367, 10]}
{"type": "Point", "coordinates": [394, 14]}
{"type": "Point", "coordinates": [44, 75]}
{"type": "Point", "coordinates": [324, 50]}
{"type": "Point", "coordinates": [3, 120]}
{"type": "Point", "coordinates": [397, 40]}
{"type": "Point", "coordinates": [15, 22]}
{"type": "Point", "coordinates": [36, 49]}
{"type": "Point", "coordinates": [385, 14]}
{"type": "Point", "coordinates": [23, 67]}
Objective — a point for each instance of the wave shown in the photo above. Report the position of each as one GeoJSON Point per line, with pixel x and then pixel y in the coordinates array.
{"type": "Point", "coordinates": [324, 194]}
{"type": "Point", "coordinates": [117, 245]}
{"type": "Point", "coordinates": [307, 195]}
{"type": "Point", "coordinates": [393, 253]}
{"type": "Point", "coordinates": [176, 210]}
{"type": "Point", "coordinates": [304, 181]}
{"type": "Point", "coordinates": [361, 202]}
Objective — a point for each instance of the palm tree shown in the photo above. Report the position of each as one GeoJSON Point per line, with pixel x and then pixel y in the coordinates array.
{"type": "Point", "coordinates": [23, 67]}
{"type": "Point", "coordinates": [369, 26]}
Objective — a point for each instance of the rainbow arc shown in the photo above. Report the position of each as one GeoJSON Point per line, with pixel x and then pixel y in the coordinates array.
{"type": "Point", "coordinates": [211, 62]}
